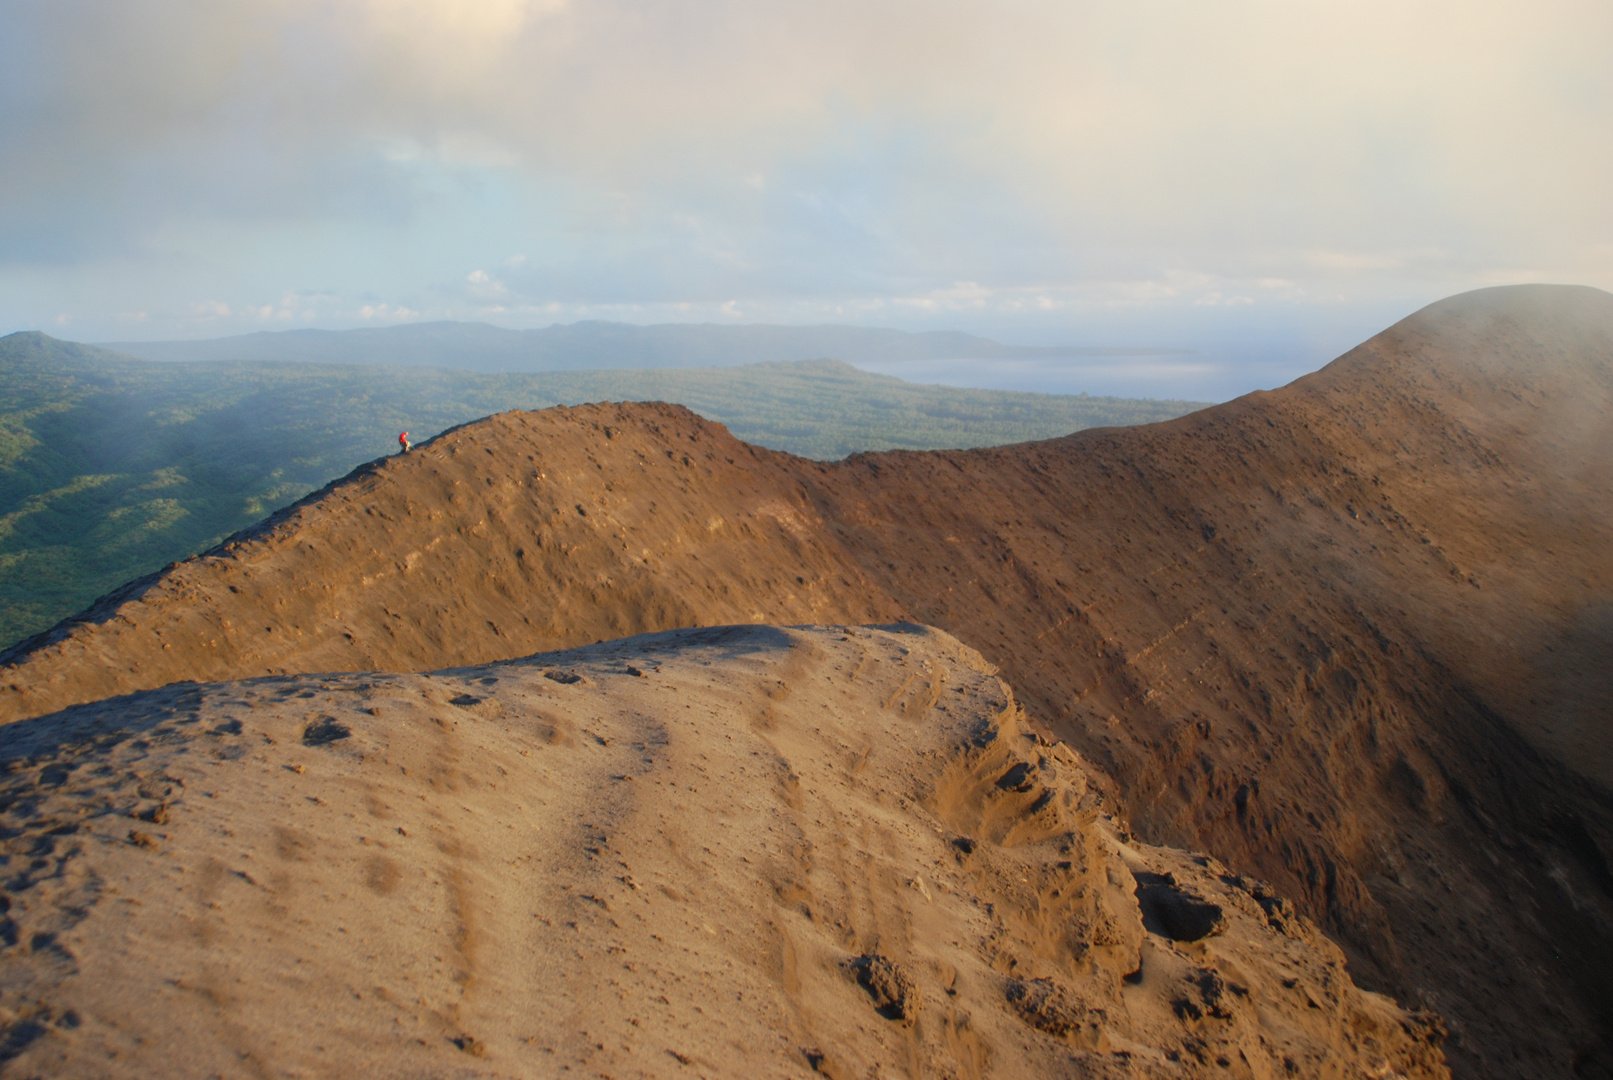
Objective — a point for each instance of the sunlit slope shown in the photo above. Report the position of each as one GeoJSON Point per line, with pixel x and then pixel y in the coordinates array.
{"type": "Point", "coordinates": [737, 852]}
{"type": "Point", "coordinates": [518, 533]}
{"type": "Point", "coordinates": [1344, 634]}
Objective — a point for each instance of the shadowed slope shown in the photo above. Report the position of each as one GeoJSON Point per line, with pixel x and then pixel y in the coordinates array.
{"type": "Point", "coordinates": [1350, 634]}
{"type": "Point", "coordinates": [1346, 632]}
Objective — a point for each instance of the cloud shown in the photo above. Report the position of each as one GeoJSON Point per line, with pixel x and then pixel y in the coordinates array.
{"type": "Point", "coordinates": [387, 313]}
{"type": "Point", "coordinates": [794, 156]}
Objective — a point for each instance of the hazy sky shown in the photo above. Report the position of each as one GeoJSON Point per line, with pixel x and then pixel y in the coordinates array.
{"type": "Point", "coordinates": [1170, 171]}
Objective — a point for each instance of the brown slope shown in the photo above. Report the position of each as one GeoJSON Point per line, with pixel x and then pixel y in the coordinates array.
{"type": "Point", "coordinates": [1350, 634]}
{"type": "Point", "coordinates": [522, 532]}
{"type": "Point", "coordinates": [1346, 632]}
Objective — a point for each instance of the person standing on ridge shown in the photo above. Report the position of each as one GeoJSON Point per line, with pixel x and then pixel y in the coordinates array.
{"type": "Point", "coordinates": [403, 441]}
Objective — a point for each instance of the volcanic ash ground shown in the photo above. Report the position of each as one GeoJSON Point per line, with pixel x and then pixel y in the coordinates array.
{"type": "Point", "coordinates": [741, 852]}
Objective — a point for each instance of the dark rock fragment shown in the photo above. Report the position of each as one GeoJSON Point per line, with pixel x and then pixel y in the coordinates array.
{"type": "Point", "coordinates": [1053, 1010]}
{"type": "Point", "coordinates": [1174, 912]}
{"type": "Point", "coordinates": [1279, 911]}
{"type": "Point", "coordinates": [1017, 778]}
{"type": "Point", "coordinates": [324, 731]}
{"type": "Point", "coordinates": [895, 996]}
{"type": "Point", "coordinates": [469, 1044]}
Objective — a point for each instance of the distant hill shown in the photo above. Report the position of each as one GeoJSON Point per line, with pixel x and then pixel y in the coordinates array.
{"type": "Point", "coordinates": [595, 345]}
{"type": "Point", "coordinates": [111, 467]}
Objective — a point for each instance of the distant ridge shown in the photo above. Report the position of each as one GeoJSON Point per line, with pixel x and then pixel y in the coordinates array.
{"type": "Point", "coordinates": [586, 345]}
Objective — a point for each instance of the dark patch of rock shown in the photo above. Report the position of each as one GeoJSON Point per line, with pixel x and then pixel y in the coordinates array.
{"type": "Point", "coordinates": [895, 996]}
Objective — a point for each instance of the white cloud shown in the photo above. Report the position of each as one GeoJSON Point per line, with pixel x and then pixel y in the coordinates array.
{"type": "Point", "coordinates": [1360, 261]}
{"type": "Point", "coordinates": [961, 295]}
{"type": "Point", "coordinates": [795, 156]}
{"type": "Point", "coordinates": [399, 312]}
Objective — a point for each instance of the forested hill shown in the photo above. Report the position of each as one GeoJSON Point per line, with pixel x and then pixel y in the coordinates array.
{"type": "Point", "coordinates": [111, 467]}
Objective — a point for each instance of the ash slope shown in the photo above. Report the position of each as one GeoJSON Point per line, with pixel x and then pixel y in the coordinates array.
{"type": "Point", "coordinates": [1350, 635]}
{"type": "Point", "coordinates": [734, 852]}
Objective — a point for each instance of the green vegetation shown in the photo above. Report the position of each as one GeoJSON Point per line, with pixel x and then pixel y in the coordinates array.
{"type": "Point", "coordinates": [111, 467]}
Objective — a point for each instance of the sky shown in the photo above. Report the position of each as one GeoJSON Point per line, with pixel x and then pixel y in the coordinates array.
{"type": "Point", "coordinates": [1268, 181]}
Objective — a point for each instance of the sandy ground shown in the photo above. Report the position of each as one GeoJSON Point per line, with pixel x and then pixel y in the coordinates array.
{"type": "Point", "coordinates": [740, 852]}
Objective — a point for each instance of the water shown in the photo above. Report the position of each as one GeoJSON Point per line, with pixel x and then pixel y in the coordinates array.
{"type": "Point", "coordinates": [1201, 375]}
